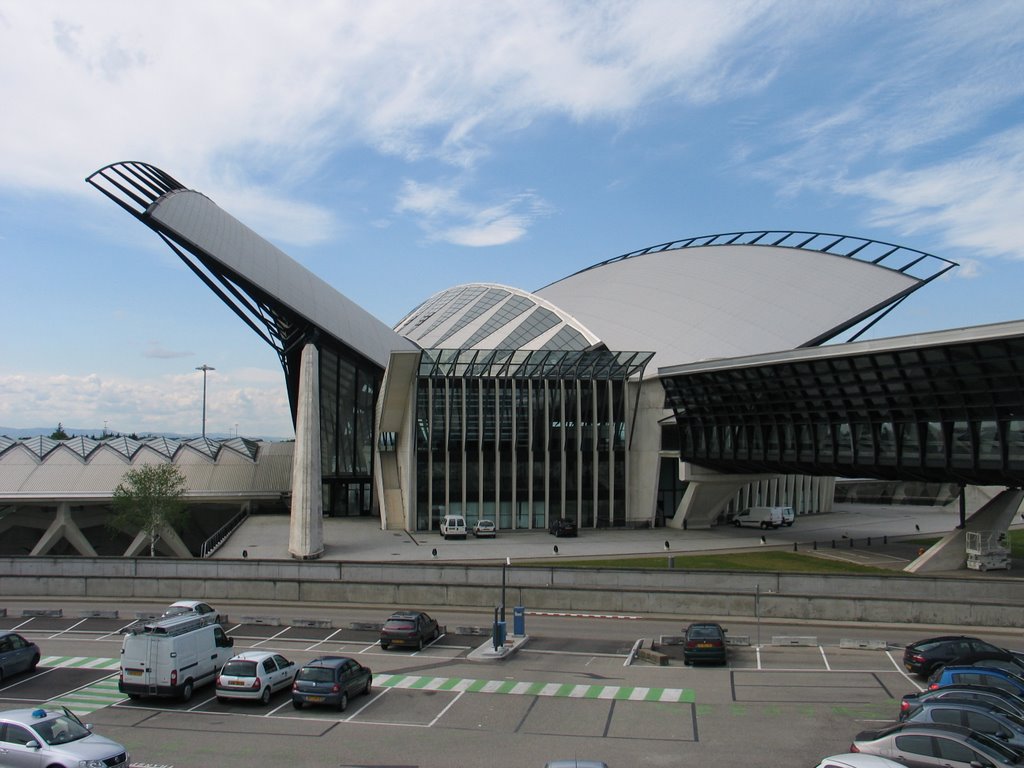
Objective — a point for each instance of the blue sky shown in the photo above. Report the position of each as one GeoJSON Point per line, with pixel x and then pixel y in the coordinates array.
{"type": "Point", "coordinates": [398, 148]}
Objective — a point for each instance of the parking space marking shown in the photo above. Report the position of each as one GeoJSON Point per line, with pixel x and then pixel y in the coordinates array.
{"type": "Point", "coordinates": [524, 688]}
{"type": "Point", "coordinates": [89, 698]}
{"type": "Point", "coordinates": [824, 657]}
{"type": "Point", "coordinates": [81, 662]}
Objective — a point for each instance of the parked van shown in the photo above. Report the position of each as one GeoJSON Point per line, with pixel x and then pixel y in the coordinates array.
{"type": "Point", "coordinates": [172, 657]}
{"type": "Point", "coordinates": [453, 526]}
{"type": "Point", "coordinates": [788, 516]}
{"type": "Point", "coordinates": [763, 517]}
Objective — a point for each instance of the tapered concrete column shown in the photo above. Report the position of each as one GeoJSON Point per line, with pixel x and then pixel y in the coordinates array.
{"type": "Point", "coordinates": [306, 536]}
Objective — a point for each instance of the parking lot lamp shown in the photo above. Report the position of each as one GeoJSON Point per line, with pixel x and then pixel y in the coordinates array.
{"type": "Point", "coordinates": [204, 368]}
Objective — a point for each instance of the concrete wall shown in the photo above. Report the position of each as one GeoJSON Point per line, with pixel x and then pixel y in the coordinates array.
{"type": "Point", "coordinates": [992, 601]}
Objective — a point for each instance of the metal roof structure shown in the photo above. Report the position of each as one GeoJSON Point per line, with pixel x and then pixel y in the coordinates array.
{"type": "Point", "coordinates": [532, 364]}
{"type": "Point", "coordinates": [278, 298]}
{"type": "Point", "coordinates": [742, 293]}
{"type": "Point", "coordinates": [937, 407]}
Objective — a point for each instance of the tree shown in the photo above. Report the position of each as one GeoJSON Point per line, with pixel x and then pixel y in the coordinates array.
{"type": "Point", "coordinates": [59, 433]}
{"type": "Point", "coordinates": [150, 498]}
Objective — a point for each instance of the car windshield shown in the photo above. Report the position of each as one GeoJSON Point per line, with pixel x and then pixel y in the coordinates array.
{"type": "Point", "coordinates": [704, 632]}
{"type": "Point", "coordinates": [60, 730]}
{"type": "Point", "coordinates": [177, 610]}
{"type": "Point", "coordinates": [315, 675]}
{"type": "Point", "coordinates": [240, 668]}
{"type": "Point", "coordinates": [402, 625]}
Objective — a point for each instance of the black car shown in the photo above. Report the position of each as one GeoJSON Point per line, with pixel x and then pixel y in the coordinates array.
{"type": "Point", "coordinates": [562, 526]}
{"type": "Point", "coordinates": [924, 656]}
{"type": "Point", "coordinates": [410, 628]}
{"type": "Point", "coordinates": [330, 681]}
{"type": "Point", "coordinates": [704, 641]}
{"type": "Point", "coordinates": [1006, 700]}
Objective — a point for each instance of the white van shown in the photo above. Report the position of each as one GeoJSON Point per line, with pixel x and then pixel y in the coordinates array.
{"type": "Point", "coordinates": [172, 657]}
{"type": "Point", "coordinates": [788, 516]}
{"type": "Point", "coordinates": [453, 526]}
{"type": "Point", "coordinates": [763, 517]}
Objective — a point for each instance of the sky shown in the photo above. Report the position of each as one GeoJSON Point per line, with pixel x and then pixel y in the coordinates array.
{"type": "Point", "coordinates": [398, 148]}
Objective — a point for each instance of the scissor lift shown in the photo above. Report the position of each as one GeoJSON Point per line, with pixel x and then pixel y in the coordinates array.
{"type": "Point", "coordinates": [987, 550]}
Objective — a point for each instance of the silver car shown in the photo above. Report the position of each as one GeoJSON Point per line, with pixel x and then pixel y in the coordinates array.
{"type": "Point", "coordinates": [32, 737]}
{"type": "Point", "coordinates": [926, 745]}
{"type": "Point", "coordinates": [16, 654]}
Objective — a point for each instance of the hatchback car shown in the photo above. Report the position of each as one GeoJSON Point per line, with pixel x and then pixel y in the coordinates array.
{"type": "Point", "coordinates": [562, 526]}
{"type": "Point", "coordinates": [978, 716]}
{"type": "Point", "coordinates": [193, 607]}
{"type": "Point", "coordinates": [330, 681]}
{"type": "Point", "coordinates": [16, 654]}
{"type": "Point", "coordinates": [920, 745]}
{"type": "Point", "coordinates": [485, 529]}
{"type": "Point", "coordinates": [997, 697]}
{"type": "Point", "coordinates": [924, 656]}
{"type": "Point", "coordinates": [55, 737]}
{"type": "Point", "coordinates": [996, 678]}
{"type": "Point", "coordinates": [704, 641]}
{"type": "Point", "coordinates": [254, 676]}
{"type": "Point", "coordinates": [409, 628]}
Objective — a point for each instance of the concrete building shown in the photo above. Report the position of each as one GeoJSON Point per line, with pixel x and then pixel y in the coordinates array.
{"type": "Point", "coordinates": [522, 406]}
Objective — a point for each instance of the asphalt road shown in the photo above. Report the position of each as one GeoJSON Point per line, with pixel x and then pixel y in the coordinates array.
{"type": "Point", "coordinates": [568, 692]}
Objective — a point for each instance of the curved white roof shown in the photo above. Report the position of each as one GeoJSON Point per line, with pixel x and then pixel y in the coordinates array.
{"type": "Point", "coordinates": [716, 301]}
{"type": "Point", "coordinates": [491, 316]}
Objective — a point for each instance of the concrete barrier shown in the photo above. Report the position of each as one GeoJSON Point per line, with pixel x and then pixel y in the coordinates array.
{"type": "Point", "coordinates": [737, 639]}
{"type": "Point", "coordinates": [794, 640]}
{"type": "Point", "coordinates": [318, 623]}
{"type": "Point", "coordinates": [97, 614]}
{"type": "Point", "coordinates": [652, 656]}
{"type": "Point", "coordinates": [993, 601]}
{"type": "Point", "coordinates": [48, 612]}
{"type": "Point", "coordinates": [869, 645]}
{"type": "Point", "coordinates": [269, 621]}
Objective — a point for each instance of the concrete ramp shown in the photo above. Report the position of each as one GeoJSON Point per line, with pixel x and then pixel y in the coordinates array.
{"type": "Point", "coordinates": [950, 553]}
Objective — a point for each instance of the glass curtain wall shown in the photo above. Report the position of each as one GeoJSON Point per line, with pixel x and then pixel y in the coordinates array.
{"type": "Point", "coordinates": [520, 451]}
{"type": "Point", "coordinates": [348, 392]}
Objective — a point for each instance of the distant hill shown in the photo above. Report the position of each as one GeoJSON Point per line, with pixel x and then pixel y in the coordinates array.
{"type": "Point", "coordinates": [19, 432]}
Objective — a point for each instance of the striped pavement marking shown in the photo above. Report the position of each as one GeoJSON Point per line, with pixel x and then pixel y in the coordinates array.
{"type": "Point", "coordinates": [79, 662]}
{"type": "Point", "coordinates": [89, 698]}
{"type": "Point", "coordinates": [522, 688]}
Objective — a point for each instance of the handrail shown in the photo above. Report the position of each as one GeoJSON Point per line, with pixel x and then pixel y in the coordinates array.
{"type": "Point", "coordinates": [214, 542]}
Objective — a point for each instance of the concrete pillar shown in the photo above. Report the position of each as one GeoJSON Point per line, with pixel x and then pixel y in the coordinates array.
{"type": "Point", "coordinates": [64, 527]}
{"type": "Point", "coordinates": [306, 535]}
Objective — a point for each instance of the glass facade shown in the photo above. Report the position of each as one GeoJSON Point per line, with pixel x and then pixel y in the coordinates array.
{"type": "Point", "coordinates": [348, 392]}
{"type": "Point", "coordinates": [934, 414]}
{"type": "Point", "coordinates": [522, 437]}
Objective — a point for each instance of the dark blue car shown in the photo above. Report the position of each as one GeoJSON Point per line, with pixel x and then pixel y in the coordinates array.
{"type": "Point", "coordinates": [991, 676]}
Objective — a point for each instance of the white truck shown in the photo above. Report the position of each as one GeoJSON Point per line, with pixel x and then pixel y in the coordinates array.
{"type": "Point", "coordinates": [762, 517]}
{"type": "Point", "coordinates": [172, 657]}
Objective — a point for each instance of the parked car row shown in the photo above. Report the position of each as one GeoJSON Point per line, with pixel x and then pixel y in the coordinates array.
{"type": "Point", "coordinates": [970, 716]}
{"type": "Point", "coordinates": [455, 527]}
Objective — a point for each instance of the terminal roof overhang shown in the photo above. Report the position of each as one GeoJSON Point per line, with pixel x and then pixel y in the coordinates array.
{"type": "Point", "coordinates": [742, 293]}
{"type": "Point", "coordinates": [278, 298]}
{"type": "Point", "coordinates": [884, 403]}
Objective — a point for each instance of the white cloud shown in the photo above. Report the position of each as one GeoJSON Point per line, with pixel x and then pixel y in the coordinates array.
{"type": "Point", "coordinates": [253, 399]}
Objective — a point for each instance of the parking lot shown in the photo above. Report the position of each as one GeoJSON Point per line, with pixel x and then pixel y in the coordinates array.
{"type": "Point", "coordinates": [561, 690]}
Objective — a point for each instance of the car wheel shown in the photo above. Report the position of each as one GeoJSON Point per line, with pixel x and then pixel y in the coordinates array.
{"type": "Point", "coordinates": [419, 644]}
{"type": "Point", "coordinates": [384, 646]}
{"type": "Point", "coordinates": [343, 702]}
{"type": "Point", "coordinates": [736, 523]}
{"type": "Point", "coordinates": [221, 700]}
{"type": "Point", "coordinates": [134, 696]}
{"type": "Point", "coordinates": [1, 675]}
{"type": "Point", "coordinates": [296, 703]}
{"type": "Point", "coordinates": [186, 692]}
{"type": "Point", "coordinates": [366, 688]}
{"type": "Point", "coordinates": [33, 664]}
{"type": "Point", "coordinates": [265, 696]}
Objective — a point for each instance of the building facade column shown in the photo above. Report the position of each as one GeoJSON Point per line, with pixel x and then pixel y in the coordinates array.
{"type": "Point", "coordinates": [306, 534]}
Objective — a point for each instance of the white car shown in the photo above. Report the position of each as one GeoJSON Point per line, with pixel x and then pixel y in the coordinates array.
{"type": "Point", "coordinates": [858, 760]}
{"type": "Point", "coordinates": [485, 529]}
{"type": "Point", "coordinates": [188, 607]}
{"type": "Point", "coordinates": [254, 676]}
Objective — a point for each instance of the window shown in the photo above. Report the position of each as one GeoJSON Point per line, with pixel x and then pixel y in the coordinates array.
{"type": "Point", "coordinates": [269, 665]}
{"type": "Point", "coordinates": [954, 750]}
{"type": "Point", "coordinates": [944, 715]}
{"type": "Point", "coordinates": [917, 745]}
{"type": "Point", "coordinates": [980, 722]}
{"type": "Point", "coordinates": [15, 734]}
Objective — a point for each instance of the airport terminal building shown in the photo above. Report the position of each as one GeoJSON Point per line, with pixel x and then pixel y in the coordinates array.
{"type": "Point", "coordinates": [526, 406]}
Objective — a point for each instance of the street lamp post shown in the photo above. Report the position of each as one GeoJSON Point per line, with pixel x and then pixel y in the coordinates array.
{"type": "Point", "coordinates": [204, 368]}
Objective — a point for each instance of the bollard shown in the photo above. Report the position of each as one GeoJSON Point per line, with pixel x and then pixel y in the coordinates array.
{"type": "Point", "coordinates": [833, 543]}
{"type": "Point", "coordinates": [885, 539]}
{"type": "Point", "coordinates": [869, 541]}
{"type": "Point", "coordinates": [815, 545]}
{"type": "Point", "coordinates": [851, 543]}
{"type": "Point", "coordinates": [794, 546]}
